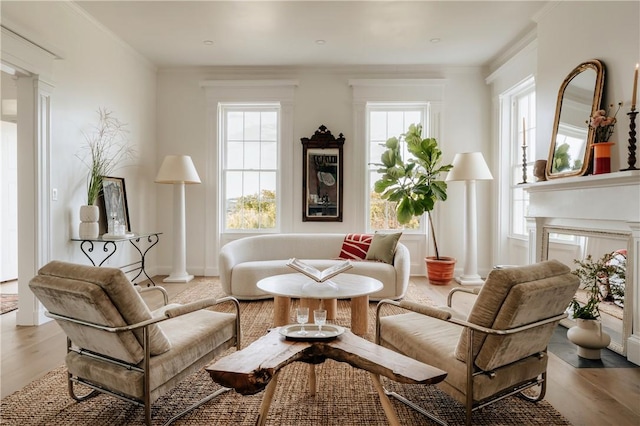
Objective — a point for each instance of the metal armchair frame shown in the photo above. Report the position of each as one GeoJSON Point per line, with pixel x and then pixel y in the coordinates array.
{"type": "Point", "coordinates": [145, 369]}
{"type": "Point", "coordinates": [472, 371]}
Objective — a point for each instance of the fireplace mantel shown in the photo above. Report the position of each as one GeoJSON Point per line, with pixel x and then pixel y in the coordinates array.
{"type": "Point", "coordinates": [607, 204]}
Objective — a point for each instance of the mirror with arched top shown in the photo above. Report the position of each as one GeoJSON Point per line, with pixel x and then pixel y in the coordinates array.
{"type": "Point", "coordinates": [578, 98]}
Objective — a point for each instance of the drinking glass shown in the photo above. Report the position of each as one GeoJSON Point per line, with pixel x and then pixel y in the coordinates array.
{"type": "Point", "coordinates": [320, 318]}
{"type": "Point", "coordinates": [302, 316]}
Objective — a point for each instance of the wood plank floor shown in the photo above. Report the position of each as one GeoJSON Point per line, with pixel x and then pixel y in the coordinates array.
{"type": "Point", "coordinates": [585, 396]}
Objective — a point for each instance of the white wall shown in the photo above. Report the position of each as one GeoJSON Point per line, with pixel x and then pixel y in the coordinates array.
{"type": "Point", "coordinates": [95, 70]}
{"type": "Point", "coordinates": [323, 96]}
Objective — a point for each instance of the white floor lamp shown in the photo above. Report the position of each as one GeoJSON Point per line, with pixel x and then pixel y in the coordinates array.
{"type": "Point", "coordinates": [470, 167]}
{"type": "Point", "coordinates": [178, 170]}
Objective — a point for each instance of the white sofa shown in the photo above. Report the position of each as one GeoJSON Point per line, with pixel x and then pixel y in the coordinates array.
{"type": "Point", "coordinates": [246, 261]}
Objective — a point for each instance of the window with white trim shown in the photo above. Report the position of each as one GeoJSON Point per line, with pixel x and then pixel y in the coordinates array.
{"type": "Point", "coordinates": [385, 120]}
{"type": "Point", "coordinates": [523, 131]}
{"type": "Point", "coordinates": [249, 144]}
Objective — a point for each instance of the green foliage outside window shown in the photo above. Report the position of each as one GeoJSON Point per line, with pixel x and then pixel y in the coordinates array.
{"type": "Point", "coordinates": [256, 211]}
{"type": "Point", "coordinates": [383, 215]}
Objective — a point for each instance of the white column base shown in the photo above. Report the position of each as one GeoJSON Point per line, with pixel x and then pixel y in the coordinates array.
{"type": "Point", "coordinates": [469, 280]}
{"type": "Point", "coordinates": [178, 278]}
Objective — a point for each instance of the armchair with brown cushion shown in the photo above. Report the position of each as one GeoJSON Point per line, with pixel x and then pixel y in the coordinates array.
{"type": "Point", "coordinates": [116, 345]}
{"type": "Point", "coordinates": [505, 335]}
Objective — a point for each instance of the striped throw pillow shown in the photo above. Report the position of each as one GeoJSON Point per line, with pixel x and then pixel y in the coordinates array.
{"type": "Point", "coordinates": [355, 246]}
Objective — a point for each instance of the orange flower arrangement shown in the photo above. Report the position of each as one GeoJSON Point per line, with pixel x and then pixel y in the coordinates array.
{"type": "Point", "coordinates": [603, 123]}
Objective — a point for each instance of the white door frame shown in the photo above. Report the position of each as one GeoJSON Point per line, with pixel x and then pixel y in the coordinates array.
{"type": "Point", "coordinates": [35, 85]}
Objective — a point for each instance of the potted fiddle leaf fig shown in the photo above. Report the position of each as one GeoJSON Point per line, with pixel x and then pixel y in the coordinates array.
{"type": "Point", "coordinates": [415, 186]}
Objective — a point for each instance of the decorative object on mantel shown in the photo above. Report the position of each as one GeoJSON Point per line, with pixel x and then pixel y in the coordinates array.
{"type": "Point", "coordinates": [538, 170]}
{"type": "Point", "coordinates": [572, 138]}
{"type": "Point", "coordinates": [415, 187]}
{"type": "Point", "coordinates": [631, 159]}
{"type": "Point", "coordinates": [524, 152]}
{"type": "Point", "coordinates": [108, 148]}
{"type": "Point", "coordinates": [594, 275]}
{"type": "Point", "coordinates": [178, 170]}
{"type": "Point", "coordinates": [470, 167]}
{"type": "Point", "coordinates": [604, 126]}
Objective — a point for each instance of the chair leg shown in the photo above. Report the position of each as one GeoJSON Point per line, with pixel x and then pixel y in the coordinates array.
{"type": "Point", "coordinates": [197, 404]}
{"type": "Point", "coordinates": [541, 394]}
{"type": "Point", "coordinates": [415, 406]}
{"type": "Point", "coordinates": [72, 392]}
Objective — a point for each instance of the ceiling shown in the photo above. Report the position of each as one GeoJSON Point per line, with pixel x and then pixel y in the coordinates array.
{"type": "Point", "coordinates": [313, 33]}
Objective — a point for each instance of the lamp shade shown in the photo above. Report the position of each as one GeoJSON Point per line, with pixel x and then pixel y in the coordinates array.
{"type": "Point", "coordinates": [177, 169]}
{"type": "Point", "coordinates": [469, 166]}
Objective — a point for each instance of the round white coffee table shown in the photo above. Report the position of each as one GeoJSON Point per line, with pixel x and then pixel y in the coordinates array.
{"type": "Point", "coordinates": [311, 293]}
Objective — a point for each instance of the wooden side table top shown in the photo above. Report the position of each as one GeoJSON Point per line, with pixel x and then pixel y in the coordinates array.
{"type": "Point", "coordinates": [249, 370]}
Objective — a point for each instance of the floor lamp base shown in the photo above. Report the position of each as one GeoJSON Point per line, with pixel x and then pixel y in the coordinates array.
{"type": "Point", "coordinates": [178, 278]}
{"type": "Point", "coordinates": [469, 280]}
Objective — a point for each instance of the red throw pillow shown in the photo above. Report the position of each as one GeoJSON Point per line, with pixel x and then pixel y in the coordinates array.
{"type": "Point", "coordinates": [355, 246]}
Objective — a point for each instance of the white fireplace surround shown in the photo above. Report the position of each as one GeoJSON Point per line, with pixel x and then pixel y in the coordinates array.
{"type": "Point", "coordinates": [606, 205]}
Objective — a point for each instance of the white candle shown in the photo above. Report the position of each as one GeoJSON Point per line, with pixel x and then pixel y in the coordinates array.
{"type": "Point", "coordinates": [635, 88]}
{"type": "Point", "coordinates": [524, 133]}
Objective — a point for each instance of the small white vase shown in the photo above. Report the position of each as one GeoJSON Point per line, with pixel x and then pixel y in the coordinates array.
{"type": "Point", "coordinates": [589, 337]}
{"type": "Point", "coordinates": [89, 227]}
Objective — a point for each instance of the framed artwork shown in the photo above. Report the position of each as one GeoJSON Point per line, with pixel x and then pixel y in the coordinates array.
{"type": "Point", "coordinates": [322, 177]}
{"type": "Point", "coordinates": [114, 198]}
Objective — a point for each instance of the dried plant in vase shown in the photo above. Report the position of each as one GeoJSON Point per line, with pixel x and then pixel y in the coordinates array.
{"type": "Point", "coordinates": [107, 147]}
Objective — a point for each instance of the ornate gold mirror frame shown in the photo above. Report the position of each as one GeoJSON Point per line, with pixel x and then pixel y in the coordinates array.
{"type": "Point", "coordinates": [322, 177]}
{"type": "Point", "coordinates": [579, 98]}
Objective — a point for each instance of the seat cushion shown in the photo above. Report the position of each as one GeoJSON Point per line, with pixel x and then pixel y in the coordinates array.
{"type": "Point", "coordinates": [434, 342]}
{"type": "Point", "coordinates": [194, 338]}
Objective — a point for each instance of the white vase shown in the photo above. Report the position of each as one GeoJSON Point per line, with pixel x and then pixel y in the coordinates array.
{"type": "Point", "coordinates": [589, 337]}
{"type": "Point", "coordinates": [89, 227]}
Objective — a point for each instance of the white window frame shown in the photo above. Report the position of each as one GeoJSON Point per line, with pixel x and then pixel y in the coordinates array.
{"type": "Point", "coordinates": [223, 108]}
{"type": "Point", "coordinates": [429, 91]}
{"type": "Point", "coordinates": [511, 151]}
{"type": "Point", "coordinates": [388, 107]}
{"type": "Point", "coordinates": [245, 91]}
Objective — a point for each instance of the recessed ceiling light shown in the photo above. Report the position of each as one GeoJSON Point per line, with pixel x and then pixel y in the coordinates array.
{"type": "Point", "coordinates": [208, 42]}
{"type": "Point", "coordinates": [320, 41]}
{"type": "Point", "coordinates": [435, 40]}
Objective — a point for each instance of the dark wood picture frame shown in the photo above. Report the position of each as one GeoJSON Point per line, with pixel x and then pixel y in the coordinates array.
{"type": "Point", "coordinates": [322, 177]}
{"type": "Point", "coordinates": [113, 197]}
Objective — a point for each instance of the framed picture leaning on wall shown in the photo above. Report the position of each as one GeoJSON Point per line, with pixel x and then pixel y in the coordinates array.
{"type": "Point", "coordinates": [114, 197]}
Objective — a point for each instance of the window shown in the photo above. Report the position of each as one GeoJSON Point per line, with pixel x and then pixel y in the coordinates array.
{"type": "Point", "coordinates": [523, 121]}
{"type": "Point", "coordinates": [383, 122]}
{"type": "Point", "coordinates": [250, 139]}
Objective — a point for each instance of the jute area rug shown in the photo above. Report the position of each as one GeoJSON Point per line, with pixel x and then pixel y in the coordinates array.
{"type": "Point", "coordinates": [345, 395]}
{"type": "Point", "coordinates": [8, 303]}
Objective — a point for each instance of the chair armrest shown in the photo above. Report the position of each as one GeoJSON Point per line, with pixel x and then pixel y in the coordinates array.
{"type": "Point", "coordinates": [474, 290]}
{"type": "Point", "coordinates": [196, 306]}
{"type": "Point", "coordinates": [443, 315]}
{"type": "Point", "coordinates": [162, 290]}
{"type": "Point", "coordinates": [169, 313]}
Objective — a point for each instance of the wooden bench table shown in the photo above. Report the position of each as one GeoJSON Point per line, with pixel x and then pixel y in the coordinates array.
{"type": "Point", "coordinates": [256, 367]}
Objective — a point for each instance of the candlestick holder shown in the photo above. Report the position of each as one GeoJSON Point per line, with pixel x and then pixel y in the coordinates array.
{"type": "Point", "coordinates": [524, 165]}
{"type": "Point", "coordinates": [631, 158]}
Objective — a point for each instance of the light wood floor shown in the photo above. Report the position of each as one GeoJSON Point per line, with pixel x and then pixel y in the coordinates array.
{"type": "Point", "coordinates": [586, 396]}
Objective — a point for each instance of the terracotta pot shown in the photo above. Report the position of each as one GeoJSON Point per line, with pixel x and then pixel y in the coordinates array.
{"type": "Point", "coordinates": [440, 271]}
{"type": "Point", "coordinates": [589, 337]}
